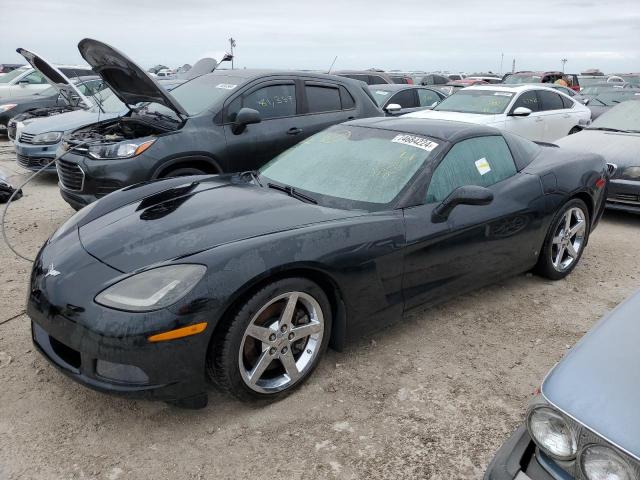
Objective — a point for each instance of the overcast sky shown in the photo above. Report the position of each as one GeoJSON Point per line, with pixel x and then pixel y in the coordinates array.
{"type": "Point", "coordinates": [460, 35]}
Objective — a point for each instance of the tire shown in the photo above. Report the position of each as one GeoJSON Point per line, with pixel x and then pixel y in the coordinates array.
{"type": "Point", "coordinates": [183, 172]}
{"type": "Point", "coordinates": [574, 130]}
{"type": "Point", "coordinates": [257, 340]}
{"type": "Point", "coordinates": [562, 248]}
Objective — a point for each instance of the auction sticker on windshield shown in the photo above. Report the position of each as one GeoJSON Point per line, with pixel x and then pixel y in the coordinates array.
{"type": "Point", "coordinates": [226, 86]}
{"type": "Point", "coordinates": [415, 141]}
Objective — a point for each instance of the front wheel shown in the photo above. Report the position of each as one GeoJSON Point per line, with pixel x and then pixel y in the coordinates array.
{"type": "Point", "coordinates": [273, 342]}
{"type": "Point", "coordinates": [565, 241]}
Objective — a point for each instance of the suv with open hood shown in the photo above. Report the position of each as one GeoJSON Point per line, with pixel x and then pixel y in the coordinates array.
{"type": "Point", "coordinates": [225, 121]}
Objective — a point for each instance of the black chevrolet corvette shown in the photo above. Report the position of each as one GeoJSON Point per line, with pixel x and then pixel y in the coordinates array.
{"type": "Point", "coordinates": [245, 279]}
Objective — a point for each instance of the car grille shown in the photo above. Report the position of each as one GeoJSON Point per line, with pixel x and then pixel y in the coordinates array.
{"type": "Point", "coordinates": [11, 130]}
{"type": "Point", "coordinates": [71, 175]}
{"type": "Point", "coordinates": [26, 138]}
{"type": "Point", "coordinates": [625, 198]}
{"type": "Point", "coordinates": [32, 162]}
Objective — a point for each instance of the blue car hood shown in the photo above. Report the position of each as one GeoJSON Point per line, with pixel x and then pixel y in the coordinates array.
{"type": "Point", "coordinates": [66, 122]}
{"type": "Point", "coordinates": [598, 382]}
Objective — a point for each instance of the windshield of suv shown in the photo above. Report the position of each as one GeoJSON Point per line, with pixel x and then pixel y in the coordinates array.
{"type": "Point", "coordinates": [365, 165]}
{"type": "Point", "coordinates": [486, 102]}
{"type": "Point", "coordinates": [7, 77]}
{"type": "Point", "coordinates": [109, 102]}
{"type": "Point", "coordinates": [625, 116]}
{"type": "Point", "coordinates": [520, 78]}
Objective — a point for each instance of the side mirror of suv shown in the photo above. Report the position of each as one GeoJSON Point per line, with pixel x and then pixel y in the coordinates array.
{"type": "Point", "coordinates": [246, 116]}
{"type": "Point", "coordinates": [468, 195]}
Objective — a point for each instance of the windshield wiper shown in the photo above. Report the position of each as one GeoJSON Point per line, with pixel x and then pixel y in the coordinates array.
{"type": "Point", "coordinates": [608, 129]}
{"type": "Point", "coordinates": [254, 175]}
{"type": "Point", "coordinates": [153, 113]}
{"type": "Point", "coordinates": [292, 192]}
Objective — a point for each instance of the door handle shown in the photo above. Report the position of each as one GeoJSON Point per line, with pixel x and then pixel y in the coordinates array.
{"type": "Point", "coordinates": [294, 131]}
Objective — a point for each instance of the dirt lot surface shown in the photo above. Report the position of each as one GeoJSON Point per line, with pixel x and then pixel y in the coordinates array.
{"type": "Point", "coordinates": [431, 397]}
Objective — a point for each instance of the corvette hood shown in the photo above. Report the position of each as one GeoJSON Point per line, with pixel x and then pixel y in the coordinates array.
{"type": "Point", "coordinates": [127, 80]}
{"type": "Point", "coordinates": [194, 214]}
{"type": "Point", "coordinates": [623, 149]}
{"type": "Point", "coordinates": [455, 116]}
{"type": "Point", "coordinates": [598, 382]}
{"type": "Point", "coordinates": [55, 77]}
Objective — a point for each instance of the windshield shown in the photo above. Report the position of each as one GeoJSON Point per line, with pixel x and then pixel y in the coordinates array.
{"type": "Point", "coordinates": [380, 96]}
{"type": "Point", "coordinates": [109, 102]}
{"type": "Point", "coordinates": [486, 102]}
{"type": "Point", "coordinates": [7, 77]}
{"type": "Point", "coordinates": [585, 82]}
{"type": "Point", "coordinates": [597, 90]}
{"type": "Point", "coordinates": [198, 94]}
{"type": "Point", "coordinates": [625, 116]}
{"type": "Point", "coordinates": [611, 98]}
{"type": "Point", "coordinates": [364, 165]}
{"type": "Point", "coordinates": [529, 78]}
{"type": "Point", "coordinates": [632, 79]}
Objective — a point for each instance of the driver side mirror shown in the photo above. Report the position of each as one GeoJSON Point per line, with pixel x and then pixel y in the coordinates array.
{"type": "Point", "coordinates": [521, 112]}
{"type": "Point", "coordinates": [392, 108]}
{"type": "Point", "coordinates": [22, 83]}
{"type": "Point", "coordinates": [468, 195]}
{"type": "Point", "coordinates": [246, 116]}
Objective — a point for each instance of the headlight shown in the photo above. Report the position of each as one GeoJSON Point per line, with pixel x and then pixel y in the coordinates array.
{"type": "Point", "coordinates": [49, 137]}
{"type": "Point", "coordinates": [631, 172]}
{"type": "Point", "coordinates": [126, 149]}
{"type": "Point", "coordinates": [602, 463]}
{"type": "Point", "coordinates": [552, 433]}
{"type": "Point", "coordinates": [7, 106]}
{"type": "Point", "coordinates": [153, 289]}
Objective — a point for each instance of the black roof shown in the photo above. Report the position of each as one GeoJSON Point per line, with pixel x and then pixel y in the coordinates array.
{"type": "Point", "coordinates": [447, 130]}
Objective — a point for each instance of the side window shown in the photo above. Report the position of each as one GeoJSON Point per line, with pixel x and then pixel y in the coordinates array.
{"type": "Point", "coordinates": [347, 100]}
{"type": "Point", "coordinates": [272, 102]}
{"type": "Point", "coordinates": [426, 98]}
{"type": "Point", "coordinates": [528, 100]}
{"type": "Point", "coordinates": [34, 78]}
{"type": "Point", "coordinates": [550, 100]}
{"type": "Point", "coordinates": [405, 98]}
{"type": "Point", "coordinates": [322, 98]}
{"type": "Point", "coordinates": [376, 80]}
{"type": "Point", "coordinates": [479, 161]}
{"type": "Point", "coordinates": [566, 102]}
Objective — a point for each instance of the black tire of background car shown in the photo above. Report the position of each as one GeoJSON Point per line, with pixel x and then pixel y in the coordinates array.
{"type": "Point", "coordinates": [545, 267]}
{"type": "Point", "coordinates": [222, 358]}
{"type": "Point", "coordinates": [184, 172]}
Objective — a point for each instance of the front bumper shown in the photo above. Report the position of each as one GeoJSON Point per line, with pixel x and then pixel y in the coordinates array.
{"type": "Point", "coordinates": [624, 195]}
{"type": "Point", "coordinates": [34, 157]}
{"type": "Point", "coordinates": [517, 459]}
{"type": "Point", "coordinates": [105, 349]}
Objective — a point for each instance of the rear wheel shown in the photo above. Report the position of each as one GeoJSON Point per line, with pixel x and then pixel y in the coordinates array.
{"type": "Point", "coordinates": [273, 342]}
{"type": "Point", "coordinates": [565, 241]}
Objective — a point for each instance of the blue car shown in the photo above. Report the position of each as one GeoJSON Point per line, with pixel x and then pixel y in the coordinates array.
{"type": "Point", "coordinates": [585, 424]}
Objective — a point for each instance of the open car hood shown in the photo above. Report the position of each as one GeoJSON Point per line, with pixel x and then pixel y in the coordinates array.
{"type": "Point", "coordinates": [127, 80]}
{"type": "Point", "coordinates": [54, 76]}
{"type": "Point", "coordinates": [201, 67]}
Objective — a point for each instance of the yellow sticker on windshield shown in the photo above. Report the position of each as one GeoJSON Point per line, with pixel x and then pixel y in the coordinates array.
{"type": "Point", "coordinates": [483, 166]}
{"type": "Point", "coordinates": [415, 141]}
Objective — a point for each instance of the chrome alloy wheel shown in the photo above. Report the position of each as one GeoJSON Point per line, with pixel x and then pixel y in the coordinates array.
{"type": "Point", "coordinates": [281, 342]}
{"type": "Point", "coordinates": [568, 239]}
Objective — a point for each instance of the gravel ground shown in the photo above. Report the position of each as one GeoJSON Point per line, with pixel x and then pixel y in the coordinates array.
{"type": "Point", "coordinates": [432, 397]}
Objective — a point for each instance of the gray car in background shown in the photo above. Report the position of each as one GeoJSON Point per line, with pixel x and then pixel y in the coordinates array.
{"type": "Point", "coordinates": [585, 422]}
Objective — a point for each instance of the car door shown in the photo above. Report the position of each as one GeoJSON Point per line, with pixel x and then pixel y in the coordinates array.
{"type": "Point", "coordinates": [279, 105]}
{"type": "Point", "coordinates": [476, 245]}
{"type": "Point", "coordinates": [531, 126]}
{"type": "Point", "coordinates": [556, 121]}
{"type": "Point", "coordinates": [407, 99]}
{"type": "Point", "coordinates": [28, 85]}
{"type": "Point", "coordinates": [324, 104]}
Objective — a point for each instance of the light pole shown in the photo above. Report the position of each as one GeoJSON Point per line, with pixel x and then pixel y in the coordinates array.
{"type": "Point", "coordinates": [564, 61]}
{"type": "Point", "coordinates": [232, 43]}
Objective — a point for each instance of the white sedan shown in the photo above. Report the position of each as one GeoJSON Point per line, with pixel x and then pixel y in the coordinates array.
{"type": "Point", "coordinates": [538, 113]}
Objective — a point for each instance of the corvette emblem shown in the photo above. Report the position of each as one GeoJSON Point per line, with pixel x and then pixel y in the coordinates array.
{"type": "Point", "coordinates": [52, 272]}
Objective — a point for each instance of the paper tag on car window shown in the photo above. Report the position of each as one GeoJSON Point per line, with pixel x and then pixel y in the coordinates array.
{"type": "Point", "coordinates": [503, 94]}
{"type": "Point", "coordinates": [415, 141]}
{"type": "Point", "coordinates": [483, 166]}
{"type": "Point", "coordinates": [226, 86]}
{"type": "Point", "coordinates": [381, 92]}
